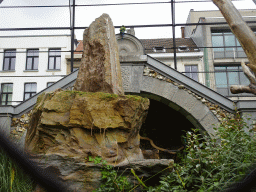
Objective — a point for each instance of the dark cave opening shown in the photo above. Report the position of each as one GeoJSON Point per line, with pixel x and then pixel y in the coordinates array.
{"type": "Point", "coordinates": [164, 126]}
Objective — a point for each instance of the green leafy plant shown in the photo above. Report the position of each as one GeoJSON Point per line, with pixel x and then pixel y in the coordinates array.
{"type": "Point", "coordinates": [212, 164]}
{"type": "Point", "coordinates": [96, 160]}
{"type": "Point", "coordinates": [111, 180]}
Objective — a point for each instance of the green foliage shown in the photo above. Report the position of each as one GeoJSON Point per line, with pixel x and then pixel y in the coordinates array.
{"type": "Point", "coordinates": [137, 98]}
{"type": "Point", "coordinates": [96, 160]}
{"type": "Point", "coordinates": [107, 96]}
{"type": "Point", "coordinates": [134, 97]}
{"type": "Point", "coordinates": [112, 182]}
{"type": "Point", "coordinates": [207, 164]}
{"type": "Point", "coordinates": [212, 164]}
{"type": "Point", "coordinates": [12, 177]}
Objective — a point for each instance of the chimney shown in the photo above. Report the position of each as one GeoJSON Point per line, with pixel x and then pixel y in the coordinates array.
{"type": "Point", "coordinates": [182, 32]}
{"type": "Point", "coordinates": [131, 31]}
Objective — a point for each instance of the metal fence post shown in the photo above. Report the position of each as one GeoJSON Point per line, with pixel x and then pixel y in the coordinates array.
{"type": "Point", "coordinates": [173, 34]}
{"type": "Point", "coordinates": [72, 37]}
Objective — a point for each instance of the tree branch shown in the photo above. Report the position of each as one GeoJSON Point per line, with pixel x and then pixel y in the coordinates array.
{"type": "Point", "coordinates": [235, 89]}
{"type": "Point", "coordinates": [248, 73]}
{"type": "Point", "coordinates": [247, 39]}
{"type": "Point", "coordinates": [241, 30]}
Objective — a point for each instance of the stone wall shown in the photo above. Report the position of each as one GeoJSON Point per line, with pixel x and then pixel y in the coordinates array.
{"type": "Point", "coordinates": [218, 111]}
{"type": "Point", "coordinates": [5, 121]}
{"type": "Point", "coordinates": [19, 129]}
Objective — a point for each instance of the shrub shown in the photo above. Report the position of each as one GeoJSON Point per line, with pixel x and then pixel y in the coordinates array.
{"type": "Point", "coordinates": [213, 164]}
{"type": "Point", "coordinates": [208, 164]}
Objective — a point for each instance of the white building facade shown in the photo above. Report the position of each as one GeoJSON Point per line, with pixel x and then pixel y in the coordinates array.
{"type": "Point", "coordinates": [28, 64]}
{"type": "Point", "coordinates": [189, 63]}
{"type": "Point", "coordinates": [189, 59]}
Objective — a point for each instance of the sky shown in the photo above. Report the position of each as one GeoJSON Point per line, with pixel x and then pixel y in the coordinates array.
{"type": "Point", "coordinates": [120, 15]}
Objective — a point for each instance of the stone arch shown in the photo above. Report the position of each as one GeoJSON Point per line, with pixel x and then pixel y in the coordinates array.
{"type": "Point", "coordinates": [172, 95]}
{"type": "Point", "coordinates": [182, 101]}
{"type": "Point", "coordinates": [196, 122]}
{"type": "Point", "coordinates": [164, 126]}
{"type": "Point", "coordinates": [129, 47]}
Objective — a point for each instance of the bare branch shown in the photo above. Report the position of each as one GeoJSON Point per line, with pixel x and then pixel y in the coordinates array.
{"type": "Point", "coordinates": [247, 39]}
{"type": "Point", "coordinates": [248, 73]}
{"type": "Point", "coordinates": [235, 89]}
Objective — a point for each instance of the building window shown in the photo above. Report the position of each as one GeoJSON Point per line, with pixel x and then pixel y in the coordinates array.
{"type": "Point", "coordinates": [54, 59]}
{"type": "Point", "coordinates": [191, 71]}
{"type": "Point", "coordinates": [50, 83]}
{"type": "Point", "coordinates": [159, 49]}
{"type": "Point", "coordinates": [227, 46]}
{"type": "Point", "coordinates": [32, 59]}
{"type": "Point", "coordinates": [225, 76]}
{"type": "Point", "coordinates": [183, 48]}
{"type": "Point", "coordinates": [6, 93]}
{"type": "Point", "coordinates": [9, 60]}
{"type": "Point", "coordinates": [29, 90]}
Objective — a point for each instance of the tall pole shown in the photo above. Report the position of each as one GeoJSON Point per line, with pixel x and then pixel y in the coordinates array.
{"type": "Point", "coordinates": [72, 37]}
{"type": "Point", "coordinates": [173, 34]}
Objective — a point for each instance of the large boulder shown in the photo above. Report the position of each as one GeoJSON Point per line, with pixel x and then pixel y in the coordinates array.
{"type": "Point", "coordinates": [100, 67]}
{"type": "Point", "coordinates": [90, 177]}
{"type": "Point", "coordinates": [99, 124]}
{"type": "Point", "coordinates": [67, 127]}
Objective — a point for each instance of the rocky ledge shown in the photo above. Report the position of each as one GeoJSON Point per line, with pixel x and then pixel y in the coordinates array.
{"type": "Point", "coordinates": [68, 127]}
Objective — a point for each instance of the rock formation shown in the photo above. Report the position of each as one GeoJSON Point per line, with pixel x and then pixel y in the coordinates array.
{"type": "Point", "coordinates": [82, 124]}
{"type": "Point", "coordinates": [69, 126]}
{"type": "Point", "coordinates": [100, 68]}
{"type": "Point", "coordinates": [93, 120]}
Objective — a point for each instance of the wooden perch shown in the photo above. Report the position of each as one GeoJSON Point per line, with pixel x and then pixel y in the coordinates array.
{"type": "Point", "coordinates": [246, 38]}
{"type": "Point", "coordinates": [161, 149]}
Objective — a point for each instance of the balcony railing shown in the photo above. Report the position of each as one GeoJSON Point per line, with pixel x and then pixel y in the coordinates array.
{"type": "Point", "coordinates": [229, 54]}
{"type": "Point", "coordinates": [223, 80]}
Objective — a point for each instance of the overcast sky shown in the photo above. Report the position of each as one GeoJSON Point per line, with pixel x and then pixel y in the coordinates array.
{"type": "Point", "coordinates": [121, 15]}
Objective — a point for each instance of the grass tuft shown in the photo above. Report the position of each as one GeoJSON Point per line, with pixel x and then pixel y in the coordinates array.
{"type": "Point", "coordinates": [12, 177]}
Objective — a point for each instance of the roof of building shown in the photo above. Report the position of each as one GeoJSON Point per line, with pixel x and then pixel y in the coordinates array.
{"type": "Point", "coordinates": [80, 47]}
{"type": "Point", "coordinates": [159, 45]}
{"type": "Point", "coordinates": [183, 44]}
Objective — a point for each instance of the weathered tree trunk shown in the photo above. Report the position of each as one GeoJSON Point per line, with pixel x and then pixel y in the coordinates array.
{"type": "Point", "coordinates": [247, 39]}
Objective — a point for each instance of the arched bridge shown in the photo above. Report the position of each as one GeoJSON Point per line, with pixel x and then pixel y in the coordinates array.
{"type": "Point", "coordinates": [194, 100]}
